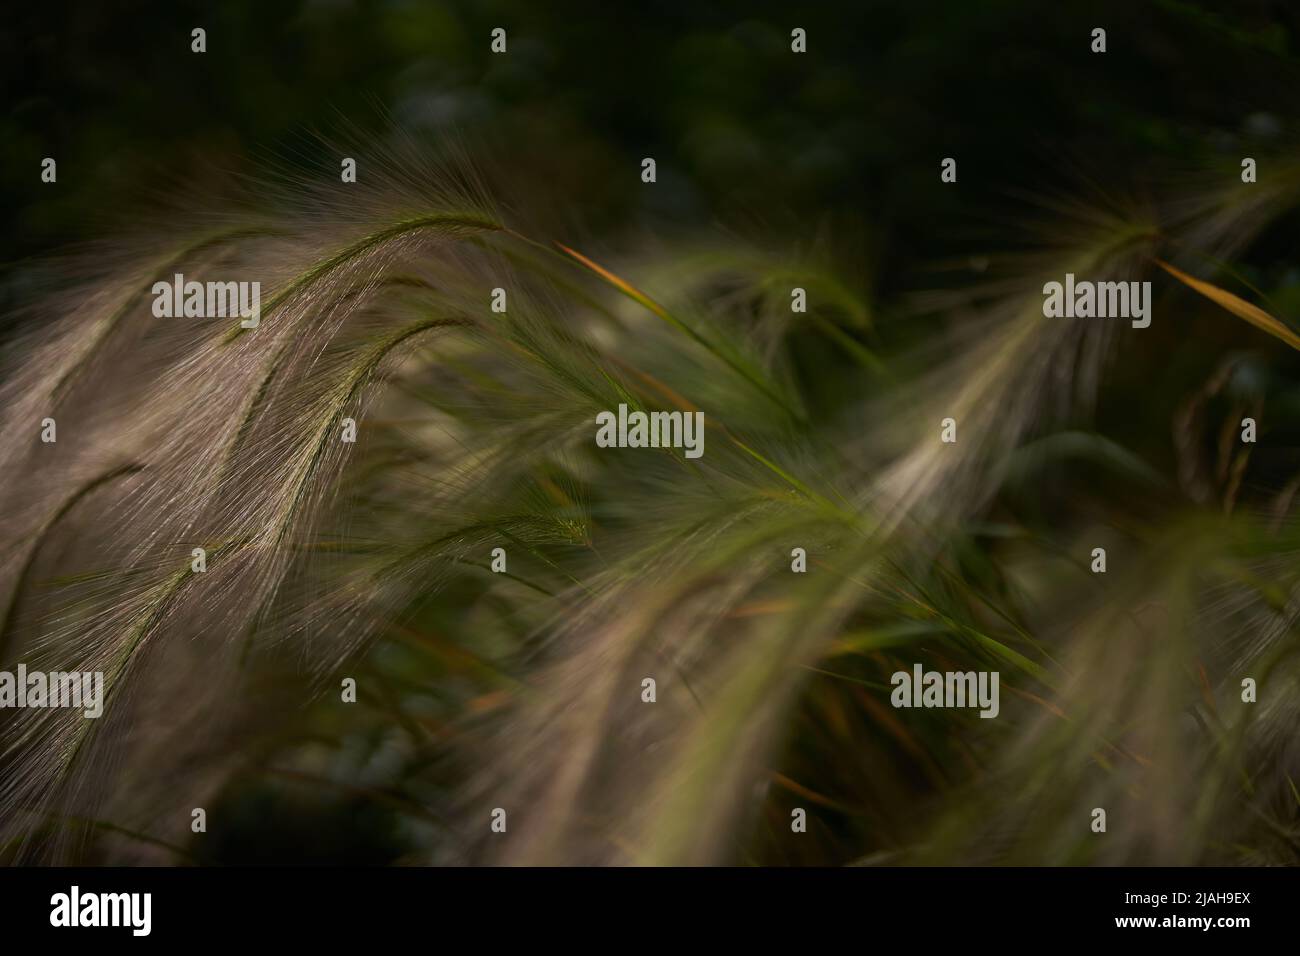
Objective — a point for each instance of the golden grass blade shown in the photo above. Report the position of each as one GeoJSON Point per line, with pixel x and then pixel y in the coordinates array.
{"type": "Point", "coordinates": [636, 295]}
{"type": "Point", "coordinates": [1237, 306]}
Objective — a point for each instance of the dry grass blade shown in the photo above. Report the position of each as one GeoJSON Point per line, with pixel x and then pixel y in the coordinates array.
{"type": "Point", "coordinates": [636, 295]}
{"type": "Point", "coordinates": [1236, 305]}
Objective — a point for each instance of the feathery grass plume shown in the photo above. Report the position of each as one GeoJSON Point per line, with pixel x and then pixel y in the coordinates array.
{"type": "Point", "coordinates": [179, 406]}
{"type": "Point", "coordinates": [522, 689]}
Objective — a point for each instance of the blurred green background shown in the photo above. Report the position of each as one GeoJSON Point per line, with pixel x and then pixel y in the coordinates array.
{"type": "Point", "coordinates": [744, 132]}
